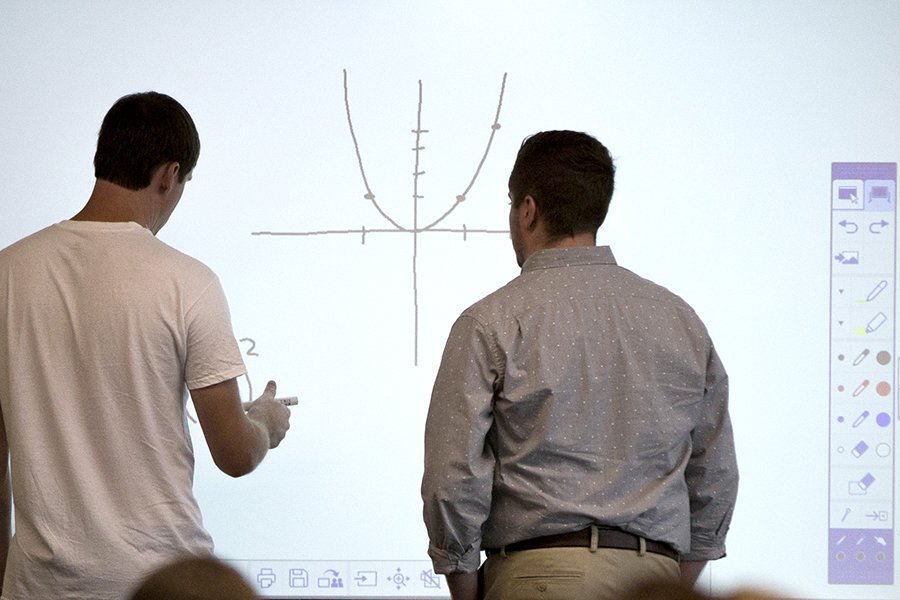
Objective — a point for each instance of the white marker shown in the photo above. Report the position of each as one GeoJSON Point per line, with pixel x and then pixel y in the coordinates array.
{"type": "Point", "coordinates": [286, 400]}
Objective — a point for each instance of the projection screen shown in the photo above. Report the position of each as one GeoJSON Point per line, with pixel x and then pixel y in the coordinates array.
{"type": "Point", "coordinates": [351, 196]}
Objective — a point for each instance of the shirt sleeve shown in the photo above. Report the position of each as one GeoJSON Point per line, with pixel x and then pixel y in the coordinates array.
{"type": "Point", "coordinates": [459, 465]}
{"type": "Point", "coordinates": [712, 474]}
{"type": "Point", "coordinates": [213, 354]}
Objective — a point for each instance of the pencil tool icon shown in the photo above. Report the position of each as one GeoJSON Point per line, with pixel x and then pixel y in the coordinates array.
{"type": "Point", "coordinates": [862, 355]}
{"type": "Point", "coordinates": [862, 417]}
{"type": "Point", "coordinates": [879, 287]}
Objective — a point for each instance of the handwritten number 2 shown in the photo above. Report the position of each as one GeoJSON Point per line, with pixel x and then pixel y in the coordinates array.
{"type": "Point", "coordinates": [251, 351]}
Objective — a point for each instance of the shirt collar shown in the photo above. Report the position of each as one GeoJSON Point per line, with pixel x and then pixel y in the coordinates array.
{"type": "Point", "coordinates": [550, 258]}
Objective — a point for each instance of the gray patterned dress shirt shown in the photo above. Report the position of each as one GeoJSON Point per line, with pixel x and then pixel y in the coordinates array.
{"type": "Point", "coordinates": [579, 393]}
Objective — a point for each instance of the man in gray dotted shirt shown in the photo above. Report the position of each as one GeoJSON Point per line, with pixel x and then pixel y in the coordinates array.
{"type": "Point", "coordinates": [578, 431]}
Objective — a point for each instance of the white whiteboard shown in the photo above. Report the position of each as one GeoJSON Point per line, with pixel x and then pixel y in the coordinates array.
{"type": "Point", "coordinates": [724, 120]}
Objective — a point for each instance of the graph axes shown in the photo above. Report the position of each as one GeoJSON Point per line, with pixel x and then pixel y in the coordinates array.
{"type": "Point", "coordinates": [418, 172]}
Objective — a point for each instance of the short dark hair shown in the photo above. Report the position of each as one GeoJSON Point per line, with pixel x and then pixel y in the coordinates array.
{"type": "Point", "coordinates": [140, 133]}
{"type": "Point", "coordinates": [571, 177]}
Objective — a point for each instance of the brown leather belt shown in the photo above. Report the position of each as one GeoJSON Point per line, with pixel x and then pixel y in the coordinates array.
{"type": "Point", "coordinates": [607, 538]}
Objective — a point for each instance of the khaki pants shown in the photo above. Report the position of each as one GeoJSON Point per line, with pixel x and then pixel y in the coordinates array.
{"type": "Point", "coordinates": [573, 573]}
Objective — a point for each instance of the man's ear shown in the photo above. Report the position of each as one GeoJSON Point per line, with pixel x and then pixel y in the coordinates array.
{"type": "Point", "coordinates": [168, 175]}
{"type": "Point", "coordinates": [529, 213]}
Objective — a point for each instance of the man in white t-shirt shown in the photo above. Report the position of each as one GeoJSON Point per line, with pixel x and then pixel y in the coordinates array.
{"type": "Point", "coordinates": [103, 330]}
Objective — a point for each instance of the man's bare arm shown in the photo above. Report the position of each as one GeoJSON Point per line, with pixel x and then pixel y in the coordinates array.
{"type": "Point", "coordinates": [238, 441]}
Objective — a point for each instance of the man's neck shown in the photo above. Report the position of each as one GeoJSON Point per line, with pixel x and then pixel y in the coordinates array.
{"type": "Point", "coordinates": [111, 203]}
{"type": "Point", "coordinates": [579, 240]}
{"type": "Point", "coordinates": [535, 244]}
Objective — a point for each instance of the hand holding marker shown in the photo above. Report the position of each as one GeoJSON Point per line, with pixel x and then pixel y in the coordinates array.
{"type": "Point", "coordinates": [286, 400]}
{"type": "Point", "coordinates": [271, 414]}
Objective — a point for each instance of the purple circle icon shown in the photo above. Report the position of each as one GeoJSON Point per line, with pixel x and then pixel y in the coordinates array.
{"type": "Point", "coordinates": [883, 419]}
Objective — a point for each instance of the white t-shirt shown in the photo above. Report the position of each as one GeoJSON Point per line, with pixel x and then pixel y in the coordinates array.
{"type": "Point", "coordinates": [103, 330]}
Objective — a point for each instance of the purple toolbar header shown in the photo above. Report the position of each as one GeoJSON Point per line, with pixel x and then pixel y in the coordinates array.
{"type": "Point", "coordinates": [864, 171]}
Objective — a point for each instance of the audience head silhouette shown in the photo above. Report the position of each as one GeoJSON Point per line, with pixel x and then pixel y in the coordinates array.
{"type": "Point", "coordinates": [195, 578]}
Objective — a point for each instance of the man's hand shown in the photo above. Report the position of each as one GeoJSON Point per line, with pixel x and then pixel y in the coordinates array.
{"type": "Point", "coordinates": [271, 414]}
{"type": "Point", "coordinates": [690, 571]}
{"type": "Point", "coordinates": [464, 586]}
